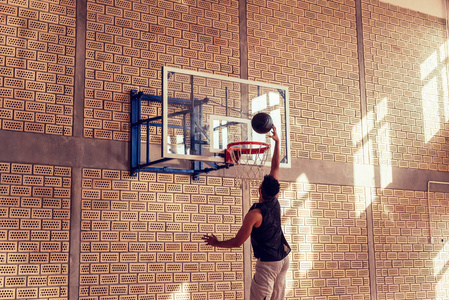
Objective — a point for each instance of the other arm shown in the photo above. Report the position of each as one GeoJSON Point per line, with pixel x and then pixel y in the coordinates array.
{"type": "Point", "coordinates": [252, 218]}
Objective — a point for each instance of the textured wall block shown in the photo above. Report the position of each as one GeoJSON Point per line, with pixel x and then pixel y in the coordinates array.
{"type": "Point", "coordinates": [37, 242]}
{"type": "Point", "coordinates": [144, 235]}
{"type": "Point", "coordinates": [36, 40]}
{"type": "Point", "coordinates": [147, 36]}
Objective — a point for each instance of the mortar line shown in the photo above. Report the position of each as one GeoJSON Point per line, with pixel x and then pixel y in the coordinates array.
{"type": "Point", "coordinates": [78, 114]}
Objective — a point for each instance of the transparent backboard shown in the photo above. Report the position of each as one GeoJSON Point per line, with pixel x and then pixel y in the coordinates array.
{"type": "Point", "coordinates": [202, 113]}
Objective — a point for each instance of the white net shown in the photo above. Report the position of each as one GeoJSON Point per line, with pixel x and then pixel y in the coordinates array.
{"type": "Point", "coordinates": [249, 159]}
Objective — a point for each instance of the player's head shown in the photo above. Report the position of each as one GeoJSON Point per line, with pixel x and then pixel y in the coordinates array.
{"type": "Point", "coordinates": [269, 188]}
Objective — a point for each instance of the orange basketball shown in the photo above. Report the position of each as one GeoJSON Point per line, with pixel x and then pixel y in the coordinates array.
{"type": "Point", "coordinates": [262, 123]}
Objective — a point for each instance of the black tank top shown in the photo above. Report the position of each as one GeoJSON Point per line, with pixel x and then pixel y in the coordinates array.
{"type": "Point", "coordinates": [268, 240]}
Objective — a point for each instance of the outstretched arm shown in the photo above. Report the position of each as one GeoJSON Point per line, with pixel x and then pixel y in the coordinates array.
{"type": "Point", "coordinates": [276, 160]}
{"type": "Point", "coordinates": [253, 217]}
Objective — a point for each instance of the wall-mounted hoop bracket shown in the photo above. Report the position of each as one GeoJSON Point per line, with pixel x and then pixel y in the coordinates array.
{"type": "Point", "coordinates": [140, 149]}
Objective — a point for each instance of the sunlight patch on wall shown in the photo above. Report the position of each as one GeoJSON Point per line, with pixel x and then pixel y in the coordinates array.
{"type": "Point", "coordinates": [441, 273]}
{"type": "Point", "coordinates": [444, 51]}
{"type": "Point", "coordinates": [384, 144]}
{"type": "Point", "coordinates": [435, 93]}
{"type": "Point", "coordinates": [430, 108]}
{"type": "Point", "coordinates": [373, 174]}
{"type": "Point", "coordinates": [365, 175]}
{"type": "Point", "coordinates": [305, 246]}
{"type": "Point", "coordinates": [429, 65]}
{"type": "Point", "coordinates": [298, 226]}
{"type": "Point", "coordinates": [445, 91]}
{"type": "Point", "coordinates": [444, 54]}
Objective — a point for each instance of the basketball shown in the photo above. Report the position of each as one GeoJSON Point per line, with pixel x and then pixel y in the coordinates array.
{"type": "Point", "coordinates": [262, 123]}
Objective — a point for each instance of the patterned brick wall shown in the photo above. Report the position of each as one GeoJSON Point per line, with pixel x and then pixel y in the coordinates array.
{"type": "Point", "coordinates": [37, 65]}
{"type": "Point", "coordinates": [406, 79]}
{"type": "Point", "coordinates": [141, 237]}
{"type": "Point", "coordinates": [129, 41]}
{"type": "Point", "coordinates": [311, 47]}
{"type": "Point", "coordinates": [34, 231]}
{"type": "Point", "coordinates": [408, 264]}
{"type": "Point", "coordinates": [326, 228]}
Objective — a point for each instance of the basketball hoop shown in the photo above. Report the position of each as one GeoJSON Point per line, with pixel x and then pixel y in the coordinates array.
{"type": "Point", "coordinates": [248, 159]}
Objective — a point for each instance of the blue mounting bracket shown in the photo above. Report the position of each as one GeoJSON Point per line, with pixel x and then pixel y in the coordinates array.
{"type": "Point", "coordinates": [195, 109]}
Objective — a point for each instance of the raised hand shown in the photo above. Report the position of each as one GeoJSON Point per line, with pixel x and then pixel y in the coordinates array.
{"type": "Point", "coordinates": [274, 134]}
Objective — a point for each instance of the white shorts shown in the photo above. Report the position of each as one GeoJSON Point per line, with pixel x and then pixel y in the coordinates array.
{"type": "Point", "coordinates": [269, 280]}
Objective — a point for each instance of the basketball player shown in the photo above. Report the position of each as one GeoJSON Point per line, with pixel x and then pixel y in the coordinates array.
{"type": "Point", "coordinates": [263, 223]}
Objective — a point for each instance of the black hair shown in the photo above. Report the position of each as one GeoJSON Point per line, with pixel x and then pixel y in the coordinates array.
{"type": "Point", "coordinates": [269, 188]}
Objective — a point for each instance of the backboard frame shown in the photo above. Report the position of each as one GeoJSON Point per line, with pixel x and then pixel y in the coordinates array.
{"type": "Point", "coordinates": [167, 72]}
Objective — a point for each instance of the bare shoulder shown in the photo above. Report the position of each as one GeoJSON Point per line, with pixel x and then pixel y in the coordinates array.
{"type": "Point", "coordinates": [255, 211]}
{"type": "Point", "coordinates": [254, 217]}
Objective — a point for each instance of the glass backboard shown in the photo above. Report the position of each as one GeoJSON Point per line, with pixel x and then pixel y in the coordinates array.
{"type": "Point", "coordinates": [202, 113]}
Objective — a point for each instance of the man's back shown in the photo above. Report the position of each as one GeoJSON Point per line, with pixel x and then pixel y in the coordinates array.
{"type": "Point", "coordinates": [268, 240]}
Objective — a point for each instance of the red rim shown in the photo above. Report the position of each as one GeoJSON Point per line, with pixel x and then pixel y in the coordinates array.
{"type": "Point", "coordinates": [235, 147]}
